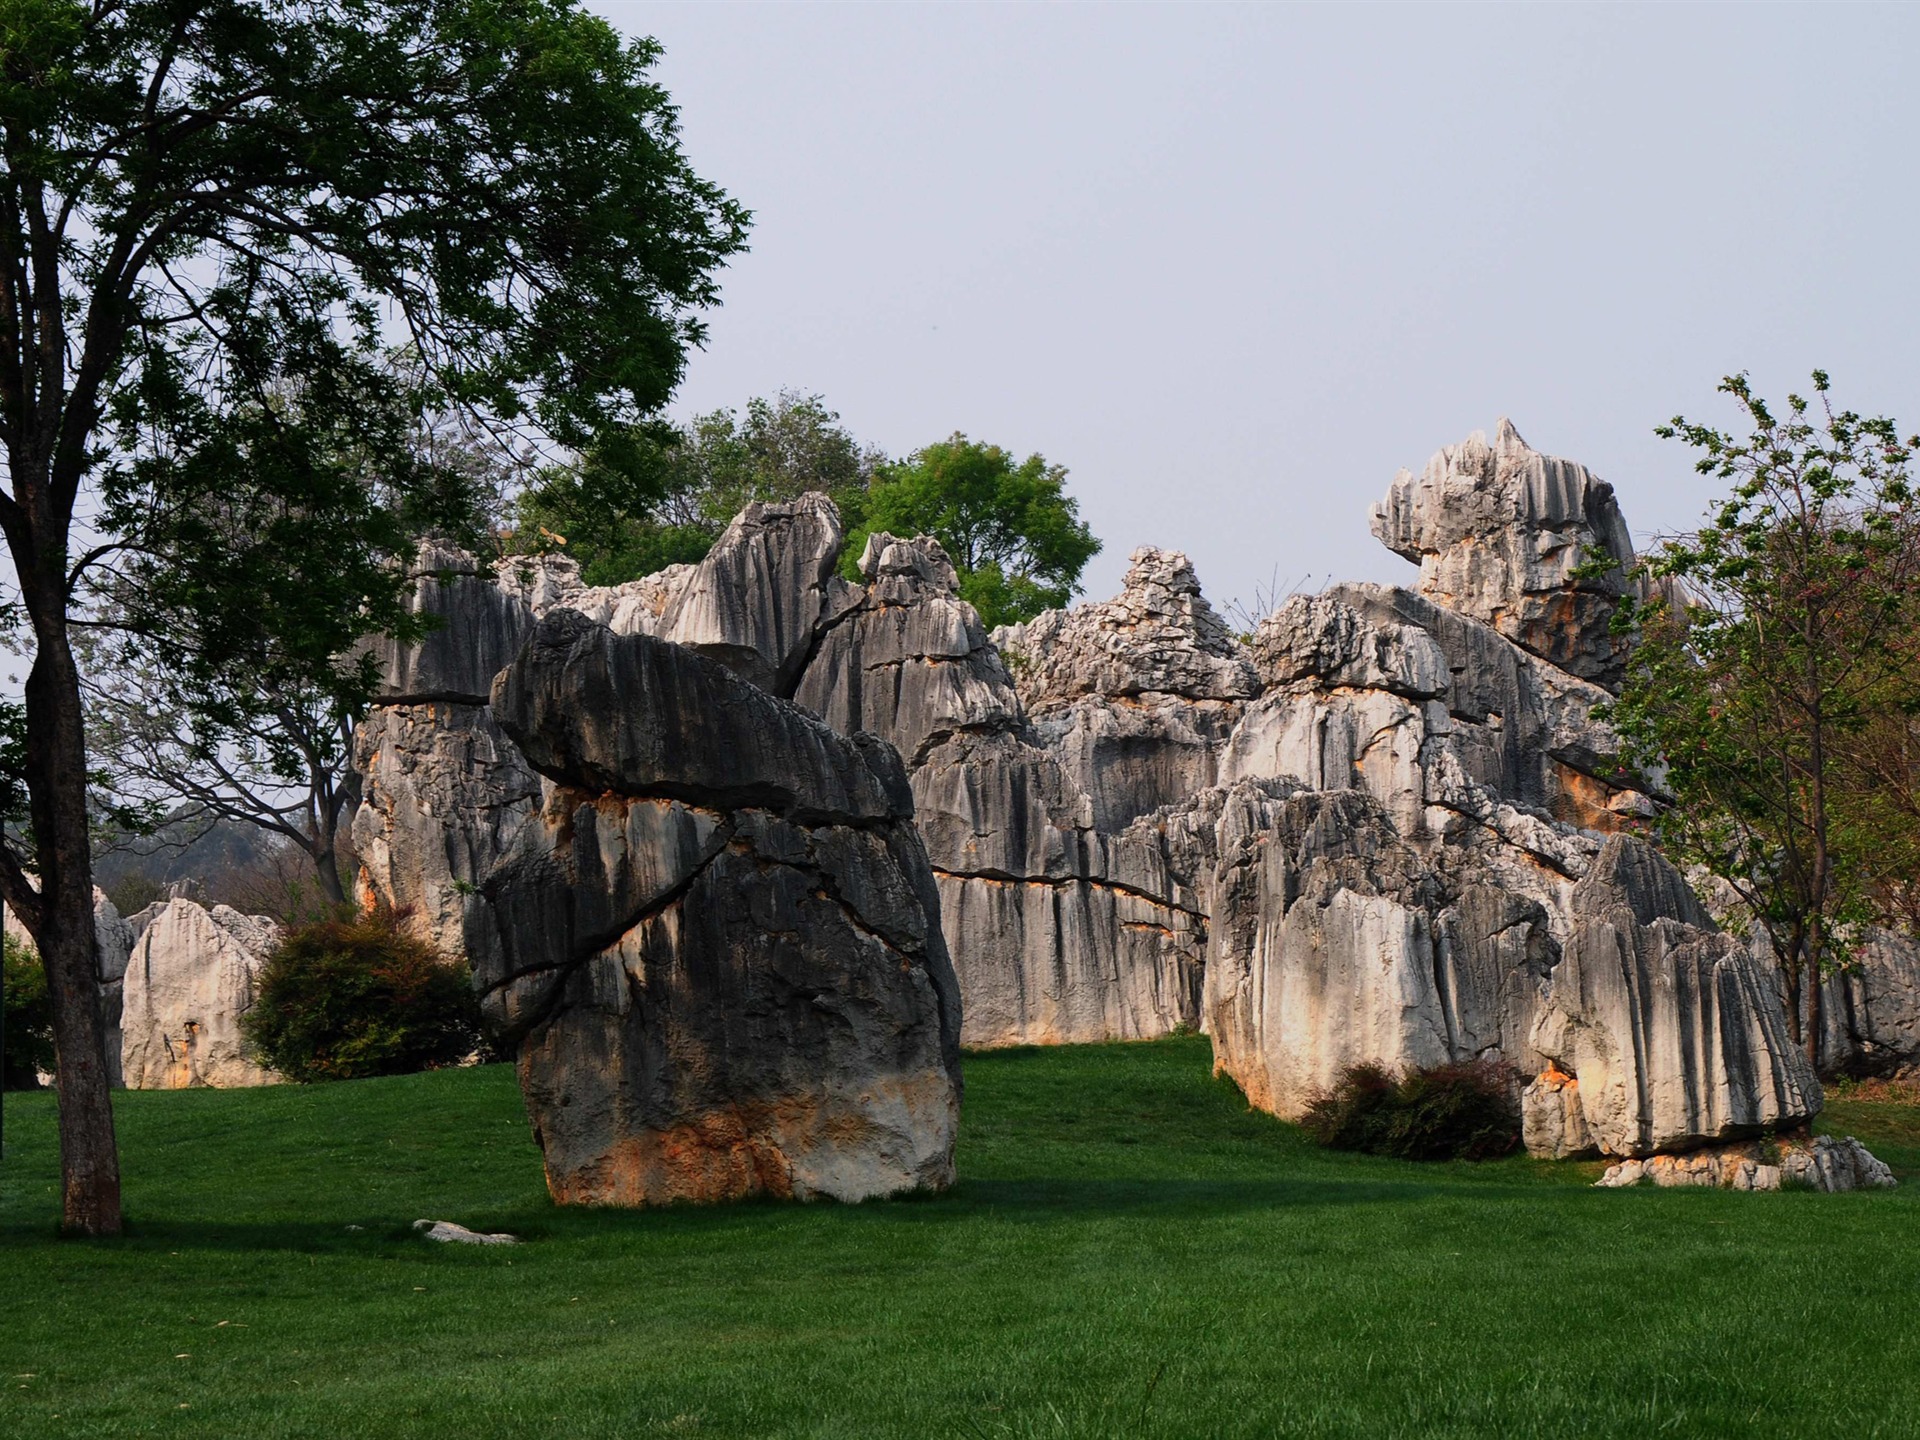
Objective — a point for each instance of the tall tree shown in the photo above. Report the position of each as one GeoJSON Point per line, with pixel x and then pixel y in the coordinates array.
{"type": "Point", "coordinates": [212, 214]}
{"type": "Point", "coordinates": [1014, 534]}
{"type": "Point", "coordinates": [1759, 682]}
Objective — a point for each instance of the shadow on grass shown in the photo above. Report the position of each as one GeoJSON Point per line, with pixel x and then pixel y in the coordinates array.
{"type": "Point", "coordinates": [1027, 1201]}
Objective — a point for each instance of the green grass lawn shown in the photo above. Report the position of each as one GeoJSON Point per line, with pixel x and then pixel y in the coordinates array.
{"type": "Point", "coordinates": [1130, 1252]}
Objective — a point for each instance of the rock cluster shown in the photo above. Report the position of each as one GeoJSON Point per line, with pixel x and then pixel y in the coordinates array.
{"type": "Point", "coordinates": [1385, 827]}
{"type": "Point", "coordinates": [1824, 1162]}
{"type": "Point", "coordinates": [1415, 852]}
{"type": "Point", "coordinates": [703, 918]}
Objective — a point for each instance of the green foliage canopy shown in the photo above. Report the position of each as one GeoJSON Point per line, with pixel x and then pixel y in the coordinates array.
{"type": "Point", "coordinates": [658, 495]}
{"type": "Point", "coordinates": [1013, 533]}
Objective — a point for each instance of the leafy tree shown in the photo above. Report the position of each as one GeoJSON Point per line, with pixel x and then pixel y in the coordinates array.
{"type": "Point", "coordinates": [212, 215]}
{"type": "Point", "coordinates": [1013, 533]}
{"type": "Point", "coordinates": [1756, 680]}
{"type": "Point", "coordinates": [661, 496]}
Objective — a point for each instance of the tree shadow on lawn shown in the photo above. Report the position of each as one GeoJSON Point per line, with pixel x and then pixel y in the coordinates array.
{"type": "Point", "coordinates": [1041, 1201]}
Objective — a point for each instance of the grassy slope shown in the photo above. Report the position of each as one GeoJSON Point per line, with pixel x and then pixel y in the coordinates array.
{"type": "Point", "coordinates": [1131, 1252]}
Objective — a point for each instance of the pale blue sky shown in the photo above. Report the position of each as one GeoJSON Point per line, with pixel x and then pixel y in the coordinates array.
{"type": "Point", "coordinates": [1234, 266]}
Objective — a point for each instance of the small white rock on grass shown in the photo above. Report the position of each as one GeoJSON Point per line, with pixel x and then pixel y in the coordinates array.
{"type": "Point", "coordinates": [448, 1233]}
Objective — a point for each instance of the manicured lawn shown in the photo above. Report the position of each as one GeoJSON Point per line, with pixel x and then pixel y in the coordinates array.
{"type": "Point", "coordinates": [1130, 1252]}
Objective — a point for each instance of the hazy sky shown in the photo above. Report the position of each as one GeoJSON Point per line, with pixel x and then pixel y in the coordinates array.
{"type": "Point", "coordinates": [1234, 266]}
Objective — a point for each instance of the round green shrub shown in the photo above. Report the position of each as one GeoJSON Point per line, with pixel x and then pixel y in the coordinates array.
{"type": "Point", "coordinates": [1464, 1111]}
{"type": "Point", "coordinates": [345, 999]}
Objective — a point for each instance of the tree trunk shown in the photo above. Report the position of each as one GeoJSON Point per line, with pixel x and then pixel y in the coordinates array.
{"type": "Point", "coordinates": [1814, 1017]}
{"type": "Point", "coordinates": [326, 865]}
{"type": "Point", "coordinates": [1791, 964]}
{"type": "Point", "coordinates": [57, 784]}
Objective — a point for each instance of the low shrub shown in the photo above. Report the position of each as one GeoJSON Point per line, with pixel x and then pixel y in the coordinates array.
{"type": "Point", "coordinates": [345, 999]}
{"type": "Point", "coordinates": [1465, 1111]}
{"type": "Point", "coordinates": [28, 1038]}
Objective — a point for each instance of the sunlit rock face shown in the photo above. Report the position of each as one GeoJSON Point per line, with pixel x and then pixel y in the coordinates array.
{"type": "Point", "coordinates": [1531, 544]}
{"type": "Point", "coordinates": [190, 978]}
{"type": "Point", "coordinates": [717, 946]}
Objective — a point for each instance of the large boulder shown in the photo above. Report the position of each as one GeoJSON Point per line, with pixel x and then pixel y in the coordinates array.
{"type": "Point", "coordinates": [717, 949]}
{"type": "Point", "coordinates": [1531, 544]}
{"type": "Point", "coordinates": [191, 977]}
{"type": "Point", "coordinates": [1673, 1032]}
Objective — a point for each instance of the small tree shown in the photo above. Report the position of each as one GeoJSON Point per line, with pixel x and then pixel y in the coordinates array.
{"type": "Point", "coordinates": [1787, 624]}
{"type": "Point", "coordinates": [1013, 533]}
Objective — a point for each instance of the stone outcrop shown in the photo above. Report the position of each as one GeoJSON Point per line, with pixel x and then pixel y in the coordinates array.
{"type": "Point", "coordinates": [1870, 1011]}
{"type": "Point", "coordinates": [190, 978]}
{"type": "Point", "coordinates": [1520, 540]}
{"type": "Point", "coordinates": [1824, 1162]}
{"type": "Point", "coordinates": [716, 945]}
{"type": "Point", "coordinates": [445, 794]}
{"type": "Point", "coordinates": [1136, 695]}
{"type": "Point", "coordinates": [1674, 1032]}
{"type": "Point", "coordinates": [1058, 895]}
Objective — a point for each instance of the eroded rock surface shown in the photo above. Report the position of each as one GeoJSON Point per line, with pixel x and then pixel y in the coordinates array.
{"type": "Point", "coordinates": [1509, 536]}
{"type": "Point", "coordinates": [190, 978]}
{"type": "Point", "coordinates": [1389, 828]}
{"type": "Point", "coordinates": [1056, 894]}
{"type": "Point", "coordinates": [717, 946]}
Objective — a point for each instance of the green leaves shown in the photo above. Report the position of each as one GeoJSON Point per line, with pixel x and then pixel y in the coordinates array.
{"type": "Point", "coordinates": [1013, 533]}
{"type": "Point", "coordinates": [1781, 643]}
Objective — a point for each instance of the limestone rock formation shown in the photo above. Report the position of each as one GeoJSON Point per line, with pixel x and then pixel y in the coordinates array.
{"type": "Point", "coordinates": [1870, 1011]}
{"type": "Point", "coordinates": [446, 794]}
{"type": "Point", "coordinates": [1674, 1031]}
{"type": "Point", "coordinates": [1055, 891]}
{"type": "Point", "coordinates": [1419, 856]}
{"type": "Point", "coordinates": [1388, 829]}
{"type": "Point", "coordinates": [717, 949]}
{"type": "Point", "coordinates": [1136, 694]}
{"type": "Point", "coordinates": [1509, 536]}
{"type": "Point", "coordinates": [189, 980]}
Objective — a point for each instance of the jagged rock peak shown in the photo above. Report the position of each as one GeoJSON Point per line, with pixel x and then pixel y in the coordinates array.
{"type": "Point", "coordinates": [1508, 535]}
{"type": "Point", "coordinates": [1157, 636]}
{"type": "Point", "coordinates": [921, 563]}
